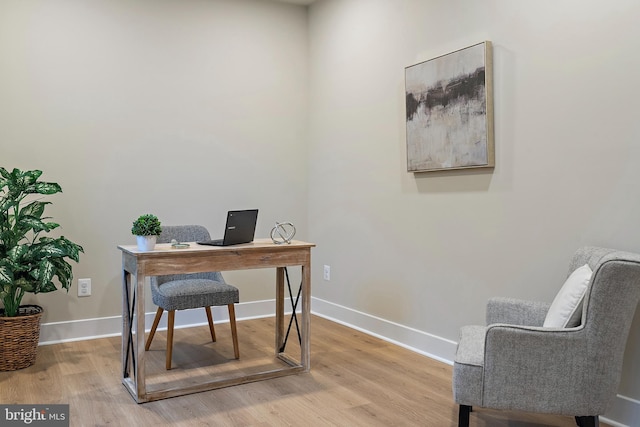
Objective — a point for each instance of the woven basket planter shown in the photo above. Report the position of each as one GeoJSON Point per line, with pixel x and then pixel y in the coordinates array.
{"type": "Point", "coordinates": [19, 338]}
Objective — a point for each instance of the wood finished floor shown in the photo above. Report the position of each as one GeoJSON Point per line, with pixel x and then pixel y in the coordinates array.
{"type": "Point", "coordinates": [355, 380]}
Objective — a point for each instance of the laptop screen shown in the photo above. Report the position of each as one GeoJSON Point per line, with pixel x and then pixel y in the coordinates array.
{"type": "Point", "coordinates": [240, 227]}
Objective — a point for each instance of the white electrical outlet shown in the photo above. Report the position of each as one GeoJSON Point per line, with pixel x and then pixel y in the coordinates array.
{"type": "Point", "coordinates": [327, 272]}
{"type": "Point", "coordinates": [84, 287]}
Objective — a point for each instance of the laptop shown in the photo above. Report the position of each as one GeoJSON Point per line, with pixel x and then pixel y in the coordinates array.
{"type": "Point", "coordinates": [240, 228]}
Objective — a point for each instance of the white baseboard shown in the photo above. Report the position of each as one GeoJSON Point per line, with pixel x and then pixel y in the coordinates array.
{"type": "Point", "coordinates": [624, 412]}
{"type": "Point", "coordinates": [432, 346]}
{"type": "Point", "coordinates": [78, 330]}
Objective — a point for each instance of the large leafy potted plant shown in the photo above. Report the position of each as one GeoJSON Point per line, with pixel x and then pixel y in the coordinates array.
{"type": "Point", "coordinates": [30, 261]}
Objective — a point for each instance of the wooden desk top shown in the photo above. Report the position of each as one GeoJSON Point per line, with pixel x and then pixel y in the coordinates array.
{"type": "Point", "coordinates": [260, 244]}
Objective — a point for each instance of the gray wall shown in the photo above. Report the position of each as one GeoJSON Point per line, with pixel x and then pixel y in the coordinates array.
{"type": "Point", "coordinates": [183, 109]}
{"type": "Point", "coordinates": [426, 251]}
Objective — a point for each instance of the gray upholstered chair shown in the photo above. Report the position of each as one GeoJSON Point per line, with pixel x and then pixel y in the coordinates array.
{"type": "Point", "coordinates": [520, 362]}
{"type": "Point", "coordinates": [184, 291]}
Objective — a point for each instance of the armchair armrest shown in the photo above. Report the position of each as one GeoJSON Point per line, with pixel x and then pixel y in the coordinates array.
{"type": "Point", "coordinates": [540, 370]}
{"type": "Point", "coordinates": [516, 312]}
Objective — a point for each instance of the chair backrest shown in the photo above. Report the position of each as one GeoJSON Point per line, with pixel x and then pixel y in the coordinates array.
{"type": "Point", "coordinates": [185, 233]}
{"type": "Point", "coordinates": [609, 306]}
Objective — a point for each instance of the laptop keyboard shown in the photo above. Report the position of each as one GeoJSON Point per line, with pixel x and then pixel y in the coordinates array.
{"type": "Point", "coordinates": [216, 242]}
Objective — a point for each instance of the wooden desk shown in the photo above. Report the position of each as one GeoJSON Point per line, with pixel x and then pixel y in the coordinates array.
{"type": "Point", "coordinates": [262, 253]}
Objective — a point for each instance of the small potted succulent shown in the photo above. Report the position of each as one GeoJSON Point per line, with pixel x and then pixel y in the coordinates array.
{"type": "Point", "coordinates": [146, 228]}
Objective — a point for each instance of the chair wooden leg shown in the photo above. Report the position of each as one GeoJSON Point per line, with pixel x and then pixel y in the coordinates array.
{"type": "Point", "coordinates": [234, 332]}
{"type": "Point", "coordinates": [211, 328]}
{"type": "Point", "coordinates": [590, 421]}
{"type": "Point", "coordinates": [172, 314]}
{"type": "Point", "coordinates": [463, 416]}
{"type": "Point", "coordinates": [152, 332]}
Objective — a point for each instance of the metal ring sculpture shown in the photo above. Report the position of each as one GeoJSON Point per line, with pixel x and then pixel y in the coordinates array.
{"type": "Point", "coordinates": [283, 232]}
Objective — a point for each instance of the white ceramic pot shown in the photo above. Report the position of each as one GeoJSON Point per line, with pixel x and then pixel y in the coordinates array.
{"type": "Point", "coordinates": [146, 243]}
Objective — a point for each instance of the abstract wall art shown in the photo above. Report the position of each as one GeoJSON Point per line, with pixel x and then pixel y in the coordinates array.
{"type": "Point", "coordinates": [449, 111]}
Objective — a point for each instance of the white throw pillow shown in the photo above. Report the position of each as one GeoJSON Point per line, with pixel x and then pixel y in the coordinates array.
{"type": "Point", "coordinates": [566, 308]}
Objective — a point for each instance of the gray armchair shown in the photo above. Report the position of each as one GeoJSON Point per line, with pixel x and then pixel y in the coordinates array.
{"type": "Point", "coordinates": [185, 291]}
{"type": "Point", "coordinates": [516, 363]}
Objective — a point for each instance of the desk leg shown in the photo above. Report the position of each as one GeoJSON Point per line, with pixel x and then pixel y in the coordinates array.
{"type": "Point", "coordinates": [305, 345]}
{"type": "Point", "coordinates": [279, 308]}
{"type": "Point", "coordinates": [139, 341]}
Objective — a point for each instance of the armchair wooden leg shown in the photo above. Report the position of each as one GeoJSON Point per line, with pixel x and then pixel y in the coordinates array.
{"type": "Point", "coordinates": [590, 421]}
{"type": "Point", "coordinates": [234, 332]}
{"type": "Point", "coordinates": [152, 332]}
{"type": "Point", "coordinates": [463, 416]}
{"type": "Point", "coordinates": [211, 328]}
{"type": "Point", "coordinates": [172, 314]}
